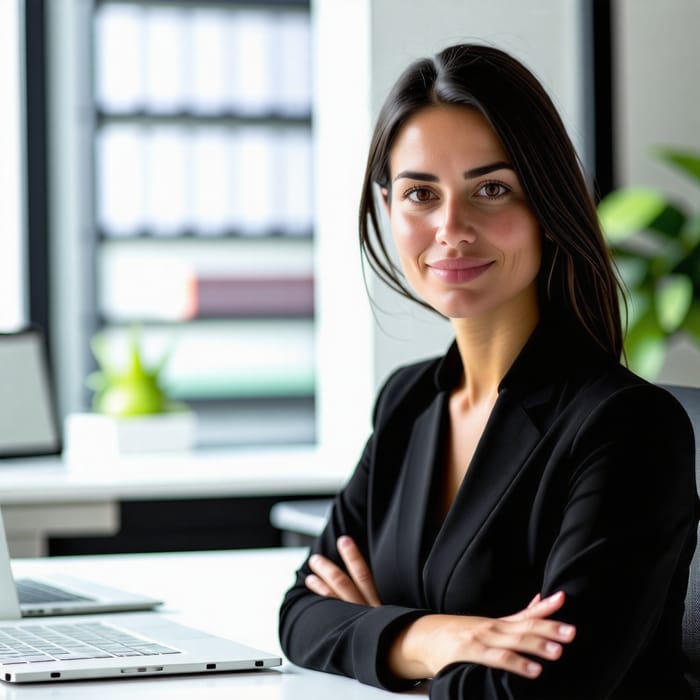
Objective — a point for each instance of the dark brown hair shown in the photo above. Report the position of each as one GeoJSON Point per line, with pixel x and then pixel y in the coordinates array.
{"type": "Point", "coordinates": [577, 280]}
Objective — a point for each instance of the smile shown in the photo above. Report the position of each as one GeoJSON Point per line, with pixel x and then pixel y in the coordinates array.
{"type": "Point", "coordinates": [456, 270]}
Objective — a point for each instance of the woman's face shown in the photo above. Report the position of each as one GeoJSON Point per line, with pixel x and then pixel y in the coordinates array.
{"type": "Point", "coordinates": [467, 240]}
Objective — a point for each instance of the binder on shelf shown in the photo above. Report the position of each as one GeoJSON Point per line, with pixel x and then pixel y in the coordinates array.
{"type": "Point", "coordinates": [147, 290]}
{"type": "Point", "coordinates": [250, 61]}
{"type": "Point", "coordinates": [121, 180]}
{"type": "Point", "coordinates": [255, 181]}
{"type": "Point", "coordinates": [206, 51]}
{"type": "Point", "coordinates": [244, 360]}
{"type": "Point", "coordinates": [167, 189]}
{"type": "Point", "coordinates": [202, 60]}
{"type": "Point", "coordinates": [217, 360]}
{"type": "Point", "coordinates": [254, 296]}
{"type": "Point", "coordinates": [292, 57]}
{"type": "Point", "coordinates": [165, 65]}
{"type": "Point", "coordinates": [213, 258]}
{"type": "Point", "coordinates": [212, 162]}
{"type": "Point", "coordinates": [296, 196]}
{"type": "Point", "coordinates": [119, 58]}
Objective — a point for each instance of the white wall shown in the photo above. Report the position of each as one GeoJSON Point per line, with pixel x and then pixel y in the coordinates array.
{"type": "Point", "coordinates": [341, 119]}
{"type": "Point", "coordinates": [657, 90]}
{"type": "Point", "coordinates": [13, 298]}
{"type": "Point", "coordinates": [362, 46]}
{"type": "Point", "coordinates": [658, 103]}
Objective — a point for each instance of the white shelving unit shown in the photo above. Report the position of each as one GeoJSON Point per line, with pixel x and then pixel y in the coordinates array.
{"type": "Point", "coordinates": [196, 190]}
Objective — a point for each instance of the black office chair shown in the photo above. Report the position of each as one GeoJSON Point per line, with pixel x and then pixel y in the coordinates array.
{"type": "Point", "coordinates": [690, 398]}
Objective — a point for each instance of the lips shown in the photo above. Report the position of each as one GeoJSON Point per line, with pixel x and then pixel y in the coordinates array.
{"type": "Point", "coordinates": [456, 270]}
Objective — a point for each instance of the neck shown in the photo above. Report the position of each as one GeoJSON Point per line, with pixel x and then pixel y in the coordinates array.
{"type": "Point", "coordinates": [488, 345]}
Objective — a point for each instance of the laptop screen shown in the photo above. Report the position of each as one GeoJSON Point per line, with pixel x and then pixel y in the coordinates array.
{"type": "Point", "coordinates": [28, 424]}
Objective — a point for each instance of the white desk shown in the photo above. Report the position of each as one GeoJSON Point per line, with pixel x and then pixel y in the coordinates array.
{"type": "Point", "coordinates": [248, 585]}
{"type": "Point", "coordinates": [46, 496]}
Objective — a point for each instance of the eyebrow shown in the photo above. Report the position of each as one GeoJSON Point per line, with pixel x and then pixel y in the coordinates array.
{"type": "Point", "coordinates": [486, 169]}
{"type": "Point", "coordinates": [468, 174]}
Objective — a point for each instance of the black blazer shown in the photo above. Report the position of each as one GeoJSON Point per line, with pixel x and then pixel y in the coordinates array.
{"type": "Point", "coordinates": [583, 481]}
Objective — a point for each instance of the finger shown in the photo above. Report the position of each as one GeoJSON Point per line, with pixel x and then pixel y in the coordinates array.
{"type": "Point", "coordinates": [528, 631]}
{"type": "Point", "coordinates": [537, 641]}
{"type": "Point", "coordinates": [540, 608]}
{"type": "Point", "coordinates": [535, 600]}
{"type": "Point", "coordinates": [508, 660]}
{"type": "Point", "coordinates": [358, 569]}
{"type": "Point", "coordinates": [336, 579]}
{"type": "Point", "coordinates": [318, 586]}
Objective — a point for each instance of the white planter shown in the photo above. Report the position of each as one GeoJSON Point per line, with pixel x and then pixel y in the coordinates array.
{"type": "Point", "coordinates": [90, 435]}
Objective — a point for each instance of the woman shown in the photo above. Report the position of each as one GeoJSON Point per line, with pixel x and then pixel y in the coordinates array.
{"type": "Point", "coordinates": [522, 519]}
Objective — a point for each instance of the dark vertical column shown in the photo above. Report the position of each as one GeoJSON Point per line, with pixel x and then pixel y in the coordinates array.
{"type": "Point", "coordinates": [603, 81]}
{"type": "Point", "coordinates": [36, 164]}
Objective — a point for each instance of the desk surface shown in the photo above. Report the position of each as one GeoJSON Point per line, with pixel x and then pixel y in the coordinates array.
{"type": "Point", "coordinates": [198, 474]}
{"type": "Point", "coordinates": [234, 594]}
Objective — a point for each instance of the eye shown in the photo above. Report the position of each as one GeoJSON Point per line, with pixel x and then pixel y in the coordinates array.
{"type": "Point", "coordinates": [419, 195]}
{"type": "Point", "coordinates": [493, 190]}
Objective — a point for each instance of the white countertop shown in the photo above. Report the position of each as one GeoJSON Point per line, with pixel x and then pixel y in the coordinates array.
{"type": "Point", "coordinates": [196, 474]}
{"type": "Point", "coordinates": [235, 594]}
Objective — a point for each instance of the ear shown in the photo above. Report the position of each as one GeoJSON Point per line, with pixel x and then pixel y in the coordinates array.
{"type": "Point", "coordinates": [386, 199]}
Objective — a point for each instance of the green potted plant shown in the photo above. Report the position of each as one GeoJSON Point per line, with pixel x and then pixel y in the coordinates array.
{"type": "Point", "coordinates": [131, 409]}
{"type": "Point", "coordinates": [656, 245]}
{"type": "Point", "coordinates": [133, 389]}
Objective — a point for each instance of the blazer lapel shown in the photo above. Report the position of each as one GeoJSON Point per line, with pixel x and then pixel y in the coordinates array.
{"type": "Point", "coordinates": [507, 441]}
{"type": "Point", "coordinates": [416, 486]}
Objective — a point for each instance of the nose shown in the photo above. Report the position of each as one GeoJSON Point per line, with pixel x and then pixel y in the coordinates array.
{"type": "Point", "coordinates": [456, 226]}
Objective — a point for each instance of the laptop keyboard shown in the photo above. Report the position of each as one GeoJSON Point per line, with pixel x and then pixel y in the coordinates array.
{"type": "Point", "coordinates": [30, 591]}
{"type": "Point", "coordinates": [71, 641]}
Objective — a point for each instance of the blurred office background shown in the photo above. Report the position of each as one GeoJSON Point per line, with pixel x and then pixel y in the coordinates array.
{"type": "Point", "coordinates": [195, 167]}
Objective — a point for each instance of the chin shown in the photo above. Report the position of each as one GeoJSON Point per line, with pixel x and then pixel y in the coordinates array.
{"type": "Point", "coordinates": [458, 308]}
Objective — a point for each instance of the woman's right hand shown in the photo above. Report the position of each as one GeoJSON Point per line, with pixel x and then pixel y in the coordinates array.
{"type": "Point", "coordinates": [432, 642]}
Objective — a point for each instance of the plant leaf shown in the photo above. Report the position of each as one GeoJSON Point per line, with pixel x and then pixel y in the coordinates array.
{"type": "Point", "coordinates": [669, 222]}
{"type": "Point", "coordinates": [688, 163]}
{"type": "Point", "coordinates": [674, 294]}
{"type": "Point", "coordinates": [691, 323]}
{"type": "Point", "coordinates": [645, 347]}
{"type": "Point", "coordinates": [690, 235]}
{"type": "Point", "coordinates": [639, 305]}
{"type": "Point", "coordinates": [630, 210]}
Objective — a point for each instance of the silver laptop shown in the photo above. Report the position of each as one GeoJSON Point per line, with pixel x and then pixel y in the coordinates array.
{"type": "Point", "coordinates": [63, 595]}
{"type": "Point", "coordinates": [28, 427]}
{"type": "Point", "coordinates": [120, 645]}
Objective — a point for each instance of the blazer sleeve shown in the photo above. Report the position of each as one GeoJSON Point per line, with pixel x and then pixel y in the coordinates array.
{"type": "Point", "coordinates": [629, 518]}
{"type": "Point", "coordinates": [330, 635]}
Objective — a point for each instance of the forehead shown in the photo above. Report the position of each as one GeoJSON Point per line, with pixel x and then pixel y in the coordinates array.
{"type": "Point", "coordinates": [443, 133]}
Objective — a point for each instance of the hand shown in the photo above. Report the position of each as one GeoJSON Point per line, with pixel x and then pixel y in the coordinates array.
{"type": "Point", "coordinates": [329, 580]}
{"type": "Point", "coordinates": [434, 641]}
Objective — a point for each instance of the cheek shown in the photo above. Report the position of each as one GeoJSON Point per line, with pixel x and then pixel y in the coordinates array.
{"type": "Point", "coordinates": [411, 237]}
{"type": "Point", "coordinates": [518, 234]}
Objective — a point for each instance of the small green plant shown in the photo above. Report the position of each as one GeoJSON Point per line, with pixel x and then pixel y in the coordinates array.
{"type": "Point", "coordinates": [656, 244]}
{"type": "Point", "coordinates": [131, 390]}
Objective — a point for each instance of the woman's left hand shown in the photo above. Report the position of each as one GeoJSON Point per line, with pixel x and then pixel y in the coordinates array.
{"type": "Point", "coordinates": [354, 586]}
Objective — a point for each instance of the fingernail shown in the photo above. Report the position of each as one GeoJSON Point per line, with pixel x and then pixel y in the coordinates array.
{"type": "Point", "coordinates": [552, 648]}
{"type": "Point", "coordinates": [313, 559]}
{"type": "Point", "coordinates": [343, 541]}
{"type": "Point", "coordinates": [533, 669]}
{"type": "Point", "coordinates": [566, 630]}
